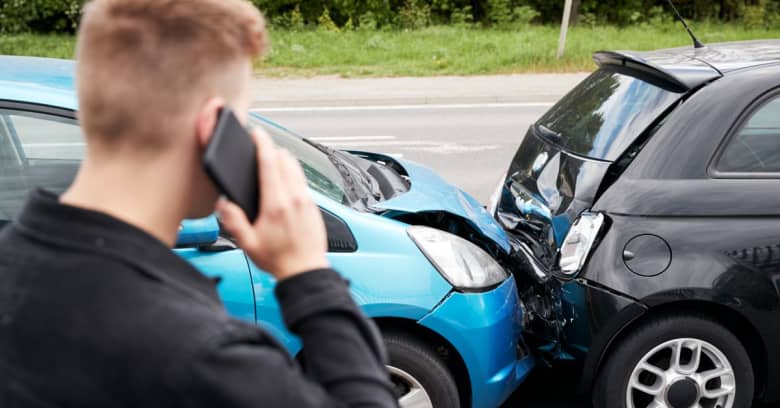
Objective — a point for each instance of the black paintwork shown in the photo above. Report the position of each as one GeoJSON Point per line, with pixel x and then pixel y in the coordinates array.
{"type": "Point", "coordinates": [710, 241]}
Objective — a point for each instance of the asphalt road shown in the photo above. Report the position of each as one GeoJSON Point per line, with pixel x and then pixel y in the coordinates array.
{"type": "Point", "coordinates": [469, 145]}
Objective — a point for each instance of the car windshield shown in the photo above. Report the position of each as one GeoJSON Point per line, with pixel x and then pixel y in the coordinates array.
{"type": "Point", "coordinates": [604, 114]}
{"type": "Point", "coordinates": [322, 174]}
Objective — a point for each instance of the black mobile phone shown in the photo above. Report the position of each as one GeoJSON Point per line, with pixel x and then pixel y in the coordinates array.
{"type": "Point", "coordinates": [231, 162]}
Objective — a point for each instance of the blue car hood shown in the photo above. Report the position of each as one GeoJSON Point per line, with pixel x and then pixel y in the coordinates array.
{"type": "Point", "coordinates": [431, 193]}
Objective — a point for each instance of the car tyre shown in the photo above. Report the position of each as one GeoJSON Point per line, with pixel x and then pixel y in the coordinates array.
{"type": "Point", "coordinates": [421, 378]}
{"type": "Point", "coordinates": [639, 361]}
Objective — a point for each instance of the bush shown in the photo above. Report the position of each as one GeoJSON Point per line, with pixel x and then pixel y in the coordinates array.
{"type": "Point", "coordinates": [524, 15]}
{"type": "Point", "coordinates": [415, 14]}
{"type": "Point", "coordinates": [61, 16]}
{"type": "Point", "coordinates": [18, 16]}
{"type": "Point", "coordinates": [324, 22]}
{"type": "Point", "coordinates": [462, 17]}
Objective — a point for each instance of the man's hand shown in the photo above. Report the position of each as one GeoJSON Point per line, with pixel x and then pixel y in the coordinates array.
{"type": "Point", "coordinates": [288, 237]}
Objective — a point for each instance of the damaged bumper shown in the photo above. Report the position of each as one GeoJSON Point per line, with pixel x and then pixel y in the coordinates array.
{"type": "Point", "coordinates": [594, 317]}
{"type": "Point", "coordinates": [490, 343]}
{"type": "Point", "coordinates": [540, 293]}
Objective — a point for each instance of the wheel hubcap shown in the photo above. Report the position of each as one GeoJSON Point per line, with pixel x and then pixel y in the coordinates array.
{"type": "Point", "coordinates": [683, 393]}
{"type": "Point", "coordinates": [682, 373]}
{"type": "Point", "coordinates": [411, 392]}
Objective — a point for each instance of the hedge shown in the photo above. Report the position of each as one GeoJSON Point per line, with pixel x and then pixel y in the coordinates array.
{"type": "Point", "coordinates": [48, 16]}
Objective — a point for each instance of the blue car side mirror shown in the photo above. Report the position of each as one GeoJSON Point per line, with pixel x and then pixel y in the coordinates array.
{"type": "Point", "coordinates": [198, 232]}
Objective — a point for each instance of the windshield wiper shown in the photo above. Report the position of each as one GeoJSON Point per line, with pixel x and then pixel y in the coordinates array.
{"type": "Point", "coordinates": [349, 180]}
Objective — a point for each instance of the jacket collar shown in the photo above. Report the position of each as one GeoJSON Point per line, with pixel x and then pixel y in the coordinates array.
{"type": "Point", "coordinates": [47, 220]}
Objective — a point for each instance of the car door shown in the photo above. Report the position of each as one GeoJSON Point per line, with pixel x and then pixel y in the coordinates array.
{"type": "Point", "coordinates": [749, 157]}
{"type": "Point", "coordinates": [43, 146]}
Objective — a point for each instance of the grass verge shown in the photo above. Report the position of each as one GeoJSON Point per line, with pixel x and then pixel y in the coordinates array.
{"type": "Point", "coordinates": [437, 50]}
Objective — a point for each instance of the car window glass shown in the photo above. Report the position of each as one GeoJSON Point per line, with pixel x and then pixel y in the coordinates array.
{"type": "Point", "coordinates": [36, 150]}
{"type": "Point", "coordinates": [321, 174]}
{"type": "Point", "coordinates": [605, 113]}
{"type": "Point", "coordinates": [756, 146]}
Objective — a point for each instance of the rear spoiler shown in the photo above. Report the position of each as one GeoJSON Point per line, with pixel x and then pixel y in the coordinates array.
{"type": "Point", "coordinates": [696, 72]}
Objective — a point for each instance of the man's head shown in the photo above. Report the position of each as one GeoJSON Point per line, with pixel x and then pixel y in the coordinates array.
{"type": "Point", "coordinates": [152, 75]}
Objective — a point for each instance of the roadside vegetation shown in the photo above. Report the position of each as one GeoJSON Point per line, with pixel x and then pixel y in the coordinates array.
{"type": "Point", "coordinates": [355, 38]}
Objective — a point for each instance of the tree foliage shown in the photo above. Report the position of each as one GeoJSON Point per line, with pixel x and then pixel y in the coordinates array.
{"type": "Point", "coordinates": [62, 15]}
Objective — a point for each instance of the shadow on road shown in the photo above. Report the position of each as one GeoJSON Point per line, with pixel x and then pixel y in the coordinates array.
{"type": "Point", "coordinates": [549, 388]}
{"type": "Point", "coordinates": [556, 388]}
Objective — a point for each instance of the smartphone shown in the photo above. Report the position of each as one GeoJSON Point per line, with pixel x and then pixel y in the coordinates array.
{"type": "Point", "coordinates": [230, 161]}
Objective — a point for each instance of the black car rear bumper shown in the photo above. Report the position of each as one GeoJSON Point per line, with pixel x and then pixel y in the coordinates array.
{"type": "Point", "coordinates": [595, 318]}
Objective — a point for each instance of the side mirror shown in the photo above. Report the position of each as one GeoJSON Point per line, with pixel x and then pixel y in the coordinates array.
{"type": "Point", "coordinates": [199, 232]}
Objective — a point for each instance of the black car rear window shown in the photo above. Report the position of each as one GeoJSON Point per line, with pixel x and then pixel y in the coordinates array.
{"type": "Point", "coordinates": [603, 115]}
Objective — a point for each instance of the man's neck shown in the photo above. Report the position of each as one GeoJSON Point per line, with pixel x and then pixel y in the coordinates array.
{"type": "Point", "coordinates": [131, 194]}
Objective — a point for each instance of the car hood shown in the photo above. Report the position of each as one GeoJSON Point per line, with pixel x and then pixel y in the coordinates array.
{"type": "Point", "coordinates": [429, 193]}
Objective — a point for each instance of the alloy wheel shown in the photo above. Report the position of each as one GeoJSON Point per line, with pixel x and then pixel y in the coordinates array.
{"type": "Point", "coordinates": [682, 373]}
{"type": "Point", "coordinates": [411, 392]}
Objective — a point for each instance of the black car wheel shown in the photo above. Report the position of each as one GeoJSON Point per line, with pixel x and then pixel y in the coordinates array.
{"type": "Point", "coordinates": [420, 377]}
{"type": "Point", "coordinates": [677, 362]}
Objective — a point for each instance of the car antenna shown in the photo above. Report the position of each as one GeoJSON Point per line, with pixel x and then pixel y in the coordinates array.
{"type": "Point", "coordinates": [696, 42]}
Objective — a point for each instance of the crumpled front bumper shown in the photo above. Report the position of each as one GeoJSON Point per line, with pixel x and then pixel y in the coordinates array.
{"type": "Point", "coordinates": [485, 328]}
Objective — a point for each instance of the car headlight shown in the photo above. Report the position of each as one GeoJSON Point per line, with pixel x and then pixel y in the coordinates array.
{"type": "Point", "coordinates": [464, 265]}
{"type": "Point", "coordinates": [578, 243]}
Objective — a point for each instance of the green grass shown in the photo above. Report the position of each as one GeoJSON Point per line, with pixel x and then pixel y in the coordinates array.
{"type": "Point", "coordinates": [437, 50]}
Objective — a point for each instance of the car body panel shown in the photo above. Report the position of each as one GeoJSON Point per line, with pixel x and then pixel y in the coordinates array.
{"type": "Point", "coordinates": [724, 57]}
{"type": "Point", "coordinates": [430, 193]}
{"type": "Point", "coordinates": [232, 271]}
{"type": "Point", "coordinates": [387, 276]}
{"type": "Point", "coordinates": [44, 81]}
{"type": "Point", "coordinates": [457, 319]}
{"type": "Point", "coordinates": [675, 70]}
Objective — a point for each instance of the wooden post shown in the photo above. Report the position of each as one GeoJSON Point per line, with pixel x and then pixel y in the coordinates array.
{"type": "Point", "coordinates": [564, 27]}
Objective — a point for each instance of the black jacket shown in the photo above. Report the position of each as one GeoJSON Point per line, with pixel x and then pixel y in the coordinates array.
{"type": "Point", "coordinates": [97, 313]}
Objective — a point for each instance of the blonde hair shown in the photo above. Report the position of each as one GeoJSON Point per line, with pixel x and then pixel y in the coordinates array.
{"type": "Point", "coordinates": [144, 65]}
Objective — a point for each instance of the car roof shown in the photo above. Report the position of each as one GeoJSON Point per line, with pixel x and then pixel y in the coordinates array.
{"type": "Point", "coordinates": [724, 57]}
{"type": "Point", "coordinates": [689, 67]}
{"type": "Point", "coordinates": [45, 81]}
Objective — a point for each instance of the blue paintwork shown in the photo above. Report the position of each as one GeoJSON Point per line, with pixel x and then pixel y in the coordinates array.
{"type": "Point", "coordinates": [235, 283]}
{"type": "Point", "coordinates": [202, 231]}
{"type": "Point", "coordinates": [462, 321]}
{"type": "Point", "coordinates": [389, 275]}
{"type": "Point", "coordinates": [45, 81]}
{"type": "Point", "coordinates": [429, 192]}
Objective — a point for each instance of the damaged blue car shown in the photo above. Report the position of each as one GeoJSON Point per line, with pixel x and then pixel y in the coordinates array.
{"type": "Point", "coordinates": [425, 260]}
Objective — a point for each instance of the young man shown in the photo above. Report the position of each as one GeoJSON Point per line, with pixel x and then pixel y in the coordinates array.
{"type": "Point", "coordinates": [95, 309]}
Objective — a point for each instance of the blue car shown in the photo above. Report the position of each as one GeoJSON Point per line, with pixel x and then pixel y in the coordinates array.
{"type": "Point", "coordinates": [420, 254]}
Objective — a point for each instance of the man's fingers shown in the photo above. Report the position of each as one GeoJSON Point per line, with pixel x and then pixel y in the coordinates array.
{"type": "Point", "coordinates": [235, 221]}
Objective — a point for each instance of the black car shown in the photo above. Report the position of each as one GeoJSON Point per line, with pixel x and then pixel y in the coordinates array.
{"type": "Point", "coordinates": [644, 207]}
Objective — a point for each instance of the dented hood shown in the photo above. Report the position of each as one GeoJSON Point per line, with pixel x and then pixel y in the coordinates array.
{"type": "Point", "coordinates": [431, 193]}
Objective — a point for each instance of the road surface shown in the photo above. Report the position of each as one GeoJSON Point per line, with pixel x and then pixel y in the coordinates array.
{"type": "Point", "coordinates": [469, 145]}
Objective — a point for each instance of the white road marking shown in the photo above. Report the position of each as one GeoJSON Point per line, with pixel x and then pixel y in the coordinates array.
{"type": "Point", "coordinates": [381, 143]}
{"type": "Point", "coordinates": [456, 148]}
{"type": "Point", "coordinates": [407, 107]}
{"type": "Point", "coordinates": [327, 139]}
{"type": "Point", "coordinates": [74, 144]}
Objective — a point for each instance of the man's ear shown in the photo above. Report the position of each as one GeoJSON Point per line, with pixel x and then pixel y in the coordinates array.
{"type": "Point", "coordinates": [207, 120]}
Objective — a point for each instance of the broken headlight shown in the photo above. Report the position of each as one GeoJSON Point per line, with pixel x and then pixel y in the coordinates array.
{"type": "Point", "coordinates": [463, 264]}
{"type": "Point", "coordinates": [578, 243]}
